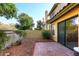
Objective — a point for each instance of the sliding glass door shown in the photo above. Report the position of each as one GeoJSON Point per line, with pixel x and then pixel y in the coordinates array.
{"type": "Point", "coordinates": [72, 32]}
{"type": "Point", "coordinates": [68, 32]}
{"type": "Point", "coordinates": [61, 34]}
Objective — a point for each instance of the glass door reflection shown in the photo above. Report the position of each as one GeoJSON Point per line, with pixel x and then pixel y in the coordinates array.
{"type": "Point", "coordinates": [72, 32]}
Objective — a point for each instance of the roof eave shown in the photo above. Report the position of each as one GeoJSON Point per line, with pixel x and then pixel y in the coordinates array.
{"type": "Point", "coordinates": [65, 10]}
{"type": "Point", "coordinates": [53, 8]}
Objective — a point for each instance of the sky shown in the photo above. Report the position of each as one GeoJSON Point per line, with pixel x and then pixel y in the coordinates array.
{"type": "Point", "coordinates": [35, 10]}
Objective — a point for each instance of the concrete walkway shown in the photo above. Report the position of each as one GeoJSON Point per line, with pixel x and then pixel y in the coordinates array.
{"type": "Point", "coordinates": [51, 49]}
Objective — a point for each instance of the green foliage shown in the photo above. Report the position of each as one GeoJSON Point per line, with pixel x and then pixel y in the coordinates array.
{"type": "Point", "coordinates": [39, 25]}
{"type": "Point", "coordinates": [46, 34]}
{"type": "Point", "coordinates": [26, 22]}
{"type": "Point", "coordinates": [21, 33]}
{"type": "Point", "coordinates": [3, 39]}
{"type": "Point", "coordinates": [8, 10]}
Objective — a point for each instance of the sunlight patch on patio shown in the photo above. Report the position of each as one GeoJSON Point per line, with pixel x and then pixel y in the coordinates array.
{"type": "Point", "coordinates": [51, 49]}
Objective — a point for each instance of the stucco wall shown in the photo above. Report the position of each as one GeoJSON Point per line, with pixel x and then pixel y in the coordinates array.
{"type": "Point", "coordinates": [71, 13]}
{"type": "Point", "coordinates": [35, 34]}
{"type": "Point", "coordinates": [13, 37]}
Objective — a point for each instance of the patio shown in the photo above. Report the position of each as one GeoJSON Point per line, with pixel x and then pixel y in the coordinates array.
{"type": "Point", "coordinates": [51, 49]}
{"type": "Point", "coordinates": [25, 49]}
{"type": "Point", "coordinates": [39, 47]}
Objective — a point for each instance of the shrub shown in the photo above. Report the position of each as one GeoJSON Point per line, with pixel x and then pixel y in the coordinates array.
{"type": "Point", "coordinates": [46, 34]}
{"type": "Point", "coordinates": [3, 39]}
{"type": "Point", "coordinates": [21, 33]}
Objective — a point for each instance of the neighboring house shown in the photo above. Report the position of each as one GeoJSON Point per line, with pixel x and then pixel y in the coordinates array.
{"type": "Point", "coordinates": [65, 20]}
{"type": "Point", "coordinates": [45, 25]}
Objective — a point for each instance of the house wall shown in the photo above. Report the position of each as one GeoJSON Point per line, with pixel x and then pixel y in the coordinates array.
{"type": "Point", "coordinates": [71, 13]}
{"type": "Point", "coordinates": [58, 8]}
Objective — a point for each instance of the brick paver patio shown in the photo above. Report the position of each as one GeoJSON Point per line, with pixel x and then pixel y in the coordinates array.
{"type": "Point", "coordinates": [51, 49]}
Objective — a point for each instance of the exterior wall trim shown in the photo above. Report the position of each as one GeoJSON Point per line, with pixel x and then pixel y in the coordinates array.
{"type": "Point", "coordinates": [65, 10]}
{"type": "Point", "coordinates": [53, 8]}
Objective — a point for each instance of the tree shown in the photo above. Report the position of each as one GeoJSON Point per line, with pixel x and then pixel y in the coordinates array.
{"type": "Point", "coordinates": [25, 22]}
{"type": "Point", "coordinates": [39, 25]}
{"type": "Point", "coordinates": [3, 39]}
{"type": "Point", "coordinates": [8, 10]}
